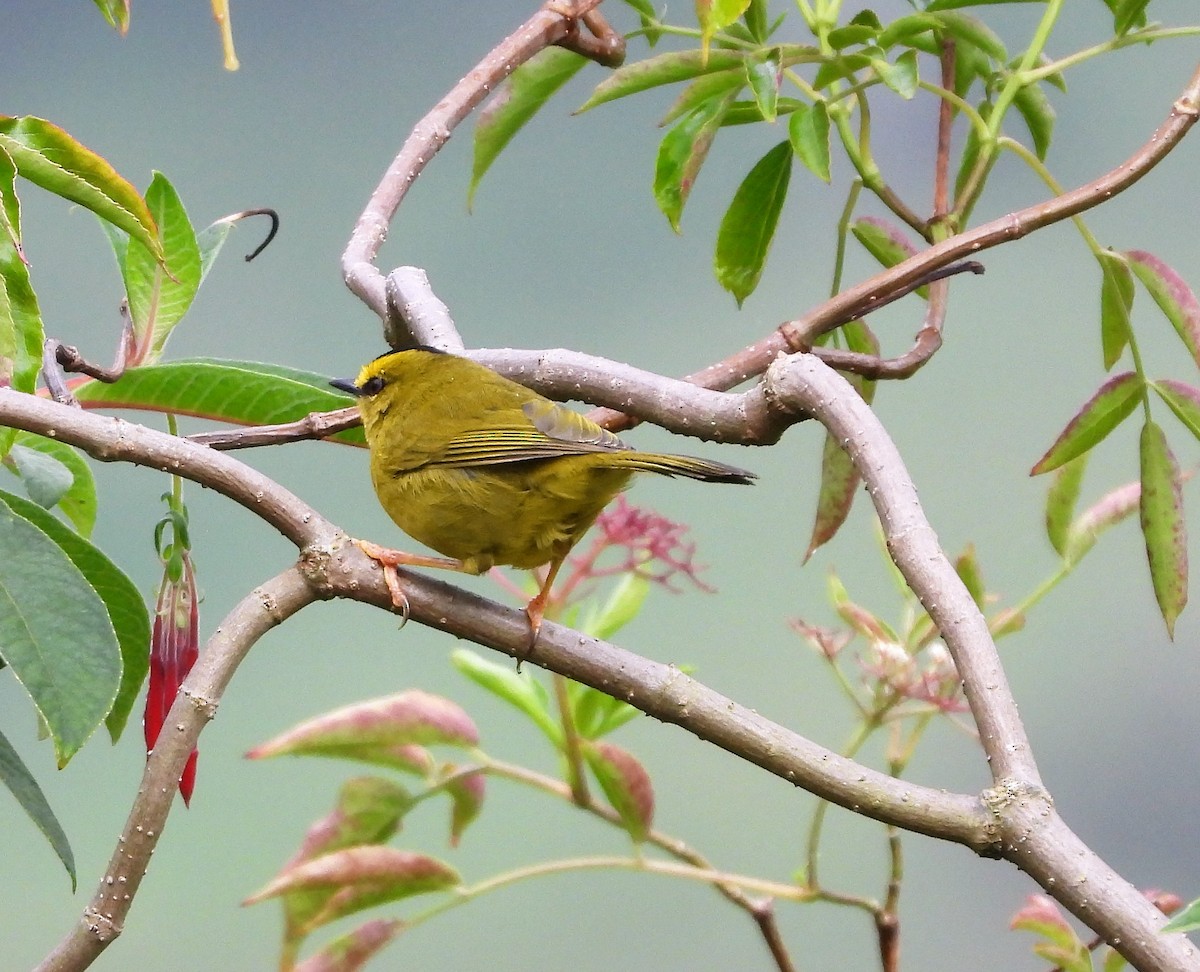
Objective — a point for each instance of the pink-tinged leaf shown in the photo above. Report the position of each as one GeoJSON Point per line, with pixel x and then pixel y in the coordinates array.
{"type": "Point", "coordinates": [659, 70]}
{"type": "Point", "coordinates": [1006, 622]}
{"type": "Point", "coordinates": [372, 874]}
{"type": "Point", "coordinates": [1041, 916]}
{"type": "Point", "coordinates": [839, 486]}
{"type": "Point", "coordinates": [352, 951]}
{"type": "Point", "coordinates": [1116, 301]}
{"type": "Point", "coordinates": [626, 786]}
{"type": "Point", "coordinates": [858, 617]}
{"type": "Point", "coordinates": [1113, 507]}
{"type": "Point", "coordinates": [1183, 399]}
{"type": "Point", "coordinates": [466, 791]}
{"type": "Point", "coordinates": [1060, 502]}
{"type": "Point", "coordinates": [116, 12]}
{"type": "Point", "coordinates": [1173, 296]}
{"type": "Point", "coordinates": [1102, 413]}
{"type": "Point", "coordinates": [828, 641]}
{"type": "Point", "coordinates": [372, 731]}
{"type": "Point", "coordinates": [682, 152]}
{"type": "Point", "coordinates": [1163, 525]}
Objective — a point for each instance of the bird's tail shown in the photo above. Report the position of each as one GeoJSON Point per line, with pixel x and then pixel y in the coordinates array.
{"type": "Point", "coordinates": [706, 470]}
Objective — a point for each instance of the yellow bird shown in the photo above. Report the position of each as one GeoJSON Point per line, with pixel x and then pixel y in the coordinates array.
{"type": "Point", "coordinates": [486, 471]}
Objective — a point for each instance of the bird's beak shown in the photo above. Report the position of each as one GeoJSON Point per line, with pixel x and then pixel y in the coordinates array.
{"type": "Point", "coordinates": [346, 385]}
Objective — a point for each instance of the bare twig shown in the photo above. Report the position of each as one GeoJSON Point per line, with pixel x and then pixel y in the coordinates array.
{"type": "Point", "coordinates": [315, 425]}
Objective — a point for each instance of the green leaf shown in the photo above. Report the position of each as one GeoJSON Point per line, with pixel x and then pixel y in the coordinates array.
{"type": "Point", "coordinates": [626, 786]}
{"type": "Point", "coordinates": [1035, 108]}
{"type": "Point", "coordinates": [10, 203]}
{"type": "Point", "coordinates": [659, 70]}
{"type": "Point", "coordinates": [1183, 400]}
{"type": "Point", "coordinates": [122, 601]}
{"type": "Point", "coordinates": [78, 503]}
{"type": "Point", "coordinates": [158, 297]}
{"type": "Point", "coordinates": [970, 32]}
{"type": "Point", "coordinates": [764, 72]}
{"type": "Point", "coordinates": [808, 133]}
{"type": "Point", "coordinates": [681, 153]}
{"type": "Point", "coordinates": [116, 12]}
{"type": "Point", "coordinates": [1128, 15]}
{"type": "Point", "coordinates": [715, 15]}
{"type": "Point", "coordinates": [22, 785]}
{"type": "Point", "coordinates": [1186, 920]}
{"type": "Point", "coordinates": [49, 157]}
{"type": "Point", "coordinates": [648, 18]}
{"type": "Point", "coordinates": [597, 714]}
{"type": "Point", "coordinates": [622, 606]}
{"type": "Point", "coordinates": [749, 224]}
{"type": "Point", "coordinates": [518, 689]}
{"type": "Point", "coordinates": [1163, 525]}
{"type": "Point", "coordinates": [1060, 502]}
{"type": "Point", "coordinates": [852, 35]}
{"type": "Point", "coordinates": [1116, 301]}
{"type": "Point", "coordinates": [209, 242]}
{"type": "Point", "coordinates": [935, 5]}
{"type": "Point", "coordinates": [904, 30]}
{"type": "Point", "coordinates": [885, 243]}
{"type": "Point", "coordinates": [903, 77]}
{"type": "Point", "coordinates": [46, 479]}
{"type": "Point", "coordinates": [246, 392]}
{"type": "Point", "coordinates": [972, 147]}
{"type": "Point", "coordinates": [1102, 413]}
{"type": "Point", "coordinates": [838, 68]}
{"type": "Point", "coordinates": [705, 90]}
{"type": "Point", "coordinates": [21, 334]}
{"type": "Point", "coordinates": [527, 90]}
{"type": "Point", "coordinates": [1173, 296]}
{"type": "Point", "coordinates": [55, 634]}
{"type": "Point", "coordinates": [756, 21]}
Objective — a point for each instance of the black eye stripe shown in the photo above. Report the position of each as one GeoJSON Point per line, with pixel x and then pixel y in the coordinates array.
{"type": "Point", "coordinates": [372, 386]}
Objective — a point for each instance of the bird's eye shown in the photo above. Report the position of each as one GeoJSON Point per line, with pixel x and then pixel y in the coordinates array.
{"type": "Point", "coordinates": [372, 386]}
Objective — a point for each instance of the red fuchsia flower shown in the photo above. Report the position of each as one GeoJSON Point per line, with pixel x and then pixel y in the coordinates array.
{"type": "Point", "coordinates": [174, 640]}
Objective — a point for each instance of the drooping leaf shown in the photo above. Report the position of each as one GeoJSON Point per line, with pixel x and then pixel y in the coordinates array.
{"type": "Point", "coordinates": [10, 203]}
{"type": "Point", "coordinates": [886, 243]}
{"type": "Point", "coordinates": [903, 77]}
{"type": "Point", "coordinates": [1035, 108]}
{"type": "Point", "coordinates": [621, 607]}
{"type": "Point", "coordinates": [1173, 296]}
{"type": "Point", "coordinates": [246, 392]}
{"type": "Point", "coordinates": [21, 333]}
{"type": "Point", "coordinates": [1186, 920]}
{"type": "Point", "coordinates": [48, 157]}
{"type": "Point", "coordinates": [1116, 301]}
{"type": "Point", "coordinates": [971, 33]}
{"type": "Point", "coordinates": [1060, 502]}
{"type": "Point", "coordinates": [764, 74]}
{"type": "Point", "coordinates": [351, 952]}
{"type": "Point", "coordinates": [966, 565]}
{"type": "Point", "coordinates": [46, 480]}
{"type": "Point", "coordinates": [20, 782]}
{"type": "Point", "coordinates": [659, 70]}
{"type": "Point", "coordinates": [55, 634]}
{"type": "Point", "coordinates": [715, 15]}
{"type": "Point", "coordinates": [681, 153]}
{"type": "Point", "coordinates": [704, 90]}
{"type": "Point", "coordinates": [1103, 412]}
{"type": "Point", "coordinates": [1163, 524]}
{"type": "Point", "coordinates": [525, 93]}
{"type": "Point", "coordinates": [1128, 15]}
{"type": "Point", "coordinates": [808, 132]}
{"type": "Point", "coordinates": [598, 714]}
{"type": "Point", "coordinates": [466, 791]}
{"type": "Point", "coordinates": [748, 226]}
{"type": "Point", "coordinates": [518, 689]}
{"type": "Point", "coordinates": [122, 600]}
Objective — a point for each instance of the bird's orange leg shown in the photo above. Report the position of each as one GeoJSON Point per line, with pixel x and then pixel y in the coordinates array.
{"type": "Point", "coordinates": [536, 609]}
{"type": "Point", "coordinates": [390, 559]}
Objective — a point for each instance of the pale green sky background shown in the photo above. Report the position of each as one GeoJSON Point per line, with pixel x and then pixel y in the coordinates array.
{"type": "Point", "coordinates": [566, 249]}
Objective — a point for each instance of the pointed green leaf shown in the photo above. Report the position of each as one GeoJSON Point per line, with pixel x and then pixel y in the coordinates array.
{"type": "Point", "coordinates": [1128, 15]}
{"type": "Point", "coordinates": [839, 68]}
{"type": "Point", "coordinates": [626, 786]}
{"type": "Point", "coordinates": [808, 132]}
{"type": "Point", "coordinates": [597, 714]}
{"type": "Point", "coordinates": [969, 572]}
{"type": "Point", "coordinates": [681, 154]}
{"type": "Point", "coordinates": [55, 634]}
{"type": "Point", "coordinates": [10, 203]}
{"type": "Point", "coordinates": [1035, 108]}
{"type": "Point", "coordinates": [20, 782]}
{"type": "Point", "coordinates": [122, 600]}
{"type": "Point", "coordinates": [21, 334]}
{"type": "Point", "coordinates": [1186, 920]}
{"type": "Point", "coordinates": [715, 15]}
{"type": "Point", "coordinates": [903, 77]}
{"type": "Point", "coordinates": [1116, 301]}
{"type": "Point", "coordinates": [1163, 524]}
{"type": "Point", "coordinates": [623, 605]}
{"type": "Point", "coordinates": [904, 30]}
{"type": "Point", "coordinates": [1173, 296]}
{"type": "Point", "coordinates": [116, 12]}
{"type": "Point", "coordinates": [764, 74]}
{"type": "Point", "coordinates": [158, 297]}
{"type": "Point", "coordinates": [886, 243]}
{"type": "Point", "coordinates": [518, 689]}
{"type": "Point", "coordinates": [972, 149]}
{"type": "Point", "coordinates": [1102, 413]}
{"type": "Point", "coordinates": [78, 503]}
{"type": "Point", "coordinates": [935, 5]}
{"type": "Point", "coordinates": [1060, 502]}
{"type": "Point", "coordinates": [49, 157]}
{"type": "Point", "coordinates": [970, 32]}
{"type": "Point", "coordinates": [648, 19]}
{"type": "Point", "coordinates": [705, 90]}
{"type": "Point", "coordinates": [1183, 399]}
{"type": "Point", "coordinates": [523, 95]}
{"type": "Point", "coordinates": [246, 392]}
{"type": "Point", "coordinates": [209, 242]}
{"type": "Point", "coordinates": [852, 35]}
{"type": "Point", "coordinates": [757, 22]}
{"type": "Point", "coordinates": [749, 224]}
{"type": "Point", "coordinates": [659, 70]}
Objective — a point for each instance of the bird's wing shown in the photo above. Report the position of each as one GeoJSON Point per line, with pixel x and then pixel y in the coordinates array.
{"type": "Point", "coordinates": [551, 431]}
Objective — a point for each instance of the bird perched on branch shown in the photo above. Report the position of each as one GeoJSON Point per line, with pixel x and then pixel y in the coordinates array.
{"type": "Point", "coordinates": [487, 472]}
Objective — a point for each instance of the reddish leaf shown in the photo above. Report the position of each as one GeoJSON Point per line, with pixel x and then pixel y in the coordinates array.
{"type": "Point", "coordinates": [466, 795]}
{"type": "Point", "coordinates": [1109, 510]}
{"type": "Point", "coordinates": [626, 786]}
{"type": "Point", "coordinates": [377, 731]}
{"type": "Point", "coordinates": [1183, 399]}
{"type": "Point", "coordinates": [351, 952]}
{"type": "Point", "coordinates": [1102, 413]}
{"type": "Point", "coordinates": [1173, 296]}
{"type": "Point", "coordinates": [1163, 525]}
